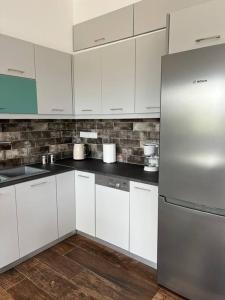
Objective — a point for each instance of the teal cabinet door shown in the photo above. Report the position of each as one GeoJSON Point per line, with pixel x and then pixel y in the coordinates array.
{"type": "Point", "coordinates": [17, 95]}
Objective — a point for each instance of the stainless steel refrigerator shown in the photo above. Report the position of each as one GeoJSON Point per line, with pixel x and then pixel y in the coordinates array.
{"type": "Point", "coordinates": [191, 248]}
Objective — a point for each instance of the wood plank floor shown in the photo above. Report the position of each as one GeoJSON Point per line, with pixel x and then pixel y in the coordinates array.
{"type": "Point", "coordinates": [79, 268]}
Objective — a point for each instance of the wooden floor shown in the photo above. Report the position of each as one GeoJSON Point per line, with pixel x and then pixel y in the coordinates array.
{"type": "Point", "coordinates": [81, 269]}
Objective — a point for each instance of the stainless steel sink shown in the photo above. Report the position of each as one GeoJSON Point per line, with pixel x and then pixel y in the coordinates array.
{"type": "Point", "coordinates": [20, 172]}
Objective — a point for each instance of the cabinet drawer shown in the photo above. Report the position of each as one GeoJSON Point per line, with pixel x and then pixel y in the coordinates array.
{"type": "Point", "coordinates": [104, 29]}
{"type": "Point", "coordinates": [16, 57]}
{"type": "Point", "coordinates": [198, 26]}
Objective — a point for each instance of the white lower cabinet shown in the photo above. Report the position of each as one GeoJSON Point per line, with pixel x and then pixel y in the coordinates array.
{"type": "Point", "coordinates": [144, 220]}
{"type": "Point", "coordinates": [85, 202]}
{"type": "Point", "coordinates": [9, 250]}
{"type": "Point", "coordinates": [37, 214]}
{"type": "Point", "coordinates": [66, 204]}
{"type": "Point", "coordinates": [112, 216]}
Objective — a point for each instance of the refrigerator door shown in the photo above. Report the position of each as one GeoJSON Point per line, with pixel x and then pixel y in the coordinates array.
{"type": "Point", "coordinates": [191, 252]}
{"type": "Point", "coordinates": [192, 141]}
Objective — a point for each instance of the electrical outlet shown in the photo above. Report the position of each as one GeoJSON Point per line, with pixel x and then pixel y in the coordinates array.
{"type": "Point", "coordinates": [89, 135]}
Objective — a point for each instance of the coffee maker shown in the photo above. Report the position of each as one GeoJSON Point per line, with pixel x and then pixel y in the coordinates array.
{"type": "Point", "coordinates": [151, 152]}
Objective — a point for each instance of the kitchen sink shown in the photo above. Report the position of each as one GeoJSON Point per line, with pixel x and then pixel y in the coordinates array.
{"type": "Point", "coordinates": [19, 172]}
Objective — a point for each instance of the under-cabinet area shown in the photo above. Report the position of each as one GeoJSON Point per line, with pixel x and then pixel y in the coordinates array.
{"type": "Point", "coordinates": [40, 212]}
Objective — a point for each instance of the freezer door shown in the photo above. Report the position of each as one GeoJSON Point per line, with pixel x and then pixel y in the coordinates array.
{"type": "Point", "coordinates": [192, 141]}
{"type": "Point", "coordinates": [191, 252]}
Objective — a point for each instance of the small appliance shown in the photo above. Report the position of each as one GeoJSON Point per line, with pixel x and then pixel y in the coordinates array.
{"type": "Point", "coordinates": [151, 152]}
{"type": "Point", "coordinates": [109, 153]}
{"type": "Point", "coordinates": [79, 151]}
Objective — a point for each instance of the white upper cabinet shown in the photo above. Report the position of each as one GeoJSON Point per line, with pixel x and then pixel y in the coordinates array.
{"type": "Point", "coordinates": [87, 82]}
{"type": "Point", "coordinates": [150, 15]}
{"type": "Point", "coordinates": [66, 203]}
{"type": "Point", "coordinates": [16, 57]}
{"type": "Point", "coordinates": [149, 50]}
{"type": "Point", "coordinates": [85, 202]}
{"type": "Point", "coordinates": [37, 214]}
{"type": "Point", "coordinates": [144, 220]}
{"type": "Point", "coordinates": [118, 78]}
{"type": "Point", "coordinates": [198, 26]}
{"type": "Point", "coordinates": [54, 81]}
{"type": "Point", "coordinates": [9, 249]}
{"type": "Point", "coordinates": [104, 29]}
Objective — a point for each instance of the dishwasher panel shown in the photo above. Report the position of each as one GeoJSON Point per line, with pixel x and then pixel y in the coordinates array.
{"type": "Point", "coordinates": [112, 212]}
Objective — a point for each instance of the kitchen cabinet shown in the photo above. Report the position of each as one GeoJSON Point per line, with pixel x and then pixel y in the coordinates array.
{"type": "Point", "coordinates": [112, 216]}
{"type": "Point", "coordinates": [110, 27]}
{"type": "Point", "coordinates": [150, 15]}
{"type": "Point", "coordinates": [118, 78]}
{"type": "Point", "coordinates": [17, 95]}
{"type": "Point", "coordinates": [144, 220]}
{"type": "Point", "coordinates": [198, 26]}
{"type": "Point", "coordinates": [66, 204]}
{"type": "Point", "coordinates": [85, 202]}
{"type": "Point", "coordinates": [9, 250]}
{"type": "Point", "coordinates": [37, 214]}
{"type": "Point", "coordinates": [149, 50]}
{"type": "Point", "coordinates": [16, 57]}
{"type": "Point", "coordinates": [54, 81]}
{"type": "Point", "coordinates": [87, 82]}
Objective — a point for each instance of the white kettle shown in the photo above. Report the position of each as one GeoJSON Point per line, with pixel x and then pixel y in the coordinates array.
{"type": "Point", "coordinates": [79, 151]}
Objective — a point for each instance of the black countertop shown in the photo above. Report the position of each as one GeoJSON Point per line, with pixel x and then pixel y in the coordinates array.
{"type": "Point", "coordinates": [124, 170]}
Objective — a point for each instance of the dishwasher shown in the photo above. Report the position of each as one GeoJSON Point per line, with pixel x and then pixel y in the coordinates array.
{"type": "Point", "coordinates": [112, 210]}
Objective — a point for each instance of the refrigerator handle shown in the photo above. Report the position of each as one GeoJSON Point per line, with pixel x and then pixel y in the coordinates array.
{"type": "Point", "coordinates": [192, 206]}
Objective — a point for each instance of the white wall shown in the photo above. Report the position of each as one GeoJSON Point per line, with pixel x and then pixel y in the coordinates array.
{"type": "Point", "coordinates": [88, 9]}
{"type": "Point", "coordinates": [45, 22]}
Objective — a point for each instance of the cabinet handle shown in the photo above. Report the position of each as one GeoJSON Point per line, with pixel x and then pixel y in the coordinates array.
{"type": "Point", "coordinates": [38, 184]}
{"type": "Point", "coordinates": [83, 176]}
{"type": "Point", "coordinates": [57, 109]}
{"type": "Point", "coordinates": [208, 38]}
{"type": "Point", "coordinates": [99, 40]}
{"type": "Point", "coordinates": [87, 110]}
{"type": "Point", "coordinates": [2, 108]}
{"type": "Point", "coordinates": [142, 189]}
{"type": "Point", "coordinates": [116, 109]}
{"type": "Point", "coordinates": [16, 70]}
{"type": "Point", "coordinates": [150, 107]}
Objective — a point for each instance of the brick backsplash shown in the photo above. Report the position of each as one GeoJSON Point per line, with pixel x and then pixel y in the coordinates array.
{"type": "Point", "coordinates": [30, 139]}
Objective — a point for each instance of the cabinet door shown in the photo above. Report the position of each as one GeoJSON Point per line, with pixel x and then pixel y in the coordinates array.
{"type": "Point", "coordinates": [9, 250]}
{"type": "Point", "coordinates": [87, 82]}
{"type": "Point", "coordinates": [17, 95]}
{"type": "Point", "coordinates": [37, 214]}
{"type": "Point", "coordinates": [118, 78]}
{"type": "Point", "coordinates": [85, 202]}
{"type": "Point", "coordinates": [149, 50]}
{"type": "Point", "coordinates": [54, 81]}
{"type": "Point", "coordinates": [110, 27]}
{"type": "Point", "coordinates": [198, 26]}
{"type": "Point", "coordinates": [112, 216]}
{"type": "Point", "coordinates": [66, 203]}
{"type": "Point", "coordinates": [16, 57]}
{"type": "Point", "coordinates": [144, 220]}
{"type": "Point", "coordinates": [150, 15]}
